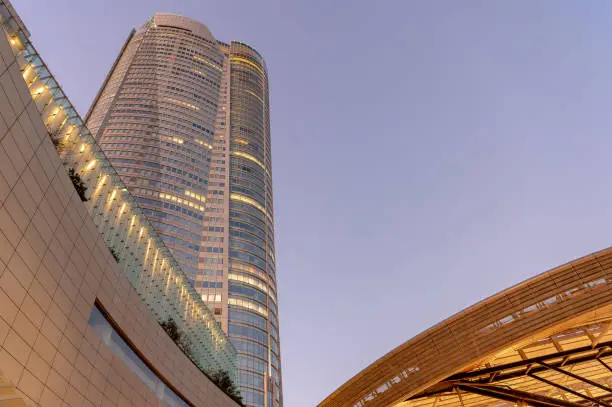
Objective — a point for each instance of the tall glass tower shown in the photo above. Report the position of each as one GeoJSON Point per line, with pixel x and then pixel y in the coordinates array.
{"type": "Point", "coordinates": [185, 120]}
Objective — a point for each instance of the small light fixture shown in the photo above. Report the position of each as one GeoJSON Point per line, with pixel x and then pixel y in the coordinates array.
{"type": "Point", "coordinates": [90, 165]}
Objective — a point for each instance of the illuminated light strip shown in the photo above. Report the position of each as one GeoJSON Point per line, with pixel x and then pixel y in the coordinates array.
{"type": "Point", "coordinates": [253, 93]}
{"type": "Point", "coordinates": [90, 165]}
{"type": "Point", "coordinates": [248, 200]}
{"type": "Point", "coordinates": [253, 282]}
{"type": "Point", "coordinates": [253, 270]}
{"type": "Point", "coordinates": [26, 71]}
{"type": "Point", "coordinates": [208, 63]}
{"type": "Point", "coordinates": [102, 182]}
{"type": "Point", "coordinates": [195, 196]}
{"type": "Point", "coordinates": [180, 102]}
{"type": "Point", "coordinates": [39, 91]}
{"type": "Point", "coordinates": [249, 269]}
{"type": "Point", "coordinates": [253, 202]}
{"type": "Point", "coordinates": [249, 157]}
{"type": "Point", "coordinates": [248, 280]}
{"type": "Point", "coordinates": [204, 144]}
{"type": "Point", "coordinates": [53, 115]}
{"type": "Point", "coordinates": [249, 63]}
{"type": "Point", "coordinates": [68, 133]}
{"type": "Point", "coordinates": [174, 139]}
{"type": "Point", "coordinates": [182, 201]}
{"type": "Point", "coordinates": [61, 125]}
{"type": "Point", "coordinates": [248, 305]}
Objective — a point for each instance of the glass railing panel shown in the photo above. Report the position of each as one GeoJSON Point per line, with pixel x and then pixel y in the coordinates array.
{"type": "Point", "coordinates": [140, 252]}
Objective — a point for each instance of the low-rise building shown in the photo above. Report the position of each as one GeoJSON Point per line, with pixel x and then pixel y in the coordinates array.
{"type": "Point", "coordinates": [85, 282]}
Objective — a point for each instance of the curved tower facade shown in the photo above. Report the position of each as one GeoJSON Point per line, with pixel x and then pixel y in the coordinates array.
{"type": "Point", "coordinates": [155, 118]}
{"type": "Point", "coordinates": [185, 119]}
{"type": "Point", "coordinates": [253, 313]}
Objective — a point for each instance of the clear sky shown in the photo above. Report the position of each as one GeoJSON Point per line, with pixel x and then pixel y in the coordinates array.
{"type": "Point", "coordinates": [426, 153]}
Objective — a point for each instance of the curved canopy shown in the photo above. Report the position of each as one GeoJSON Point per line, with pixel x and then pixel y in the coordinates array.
{"type": "Point", "coordinates": [544, 342]}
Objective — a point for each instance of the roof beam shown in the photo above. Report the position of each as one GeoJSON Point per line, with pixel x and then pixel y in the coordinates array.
{"type": "Point", "coordinates": [458, 390]}
{"type": "Point", "coordinates": [516, 396]}
{"type": "Point", "coordinates": [568, 390]}
{"type": "Point", "coordinates": [604, 330]}
{"type": "Point", "coordinates": [527, 362]}
{"type": "Point", "coordinates": [575, 376]}
{"type": "Point", "coordinates": [489, 376]}
{"type": "Point", "coordinates": [604, 364]}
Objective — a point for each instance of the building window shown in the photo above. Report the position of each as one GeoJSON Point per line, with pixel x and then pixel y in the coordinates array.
{"type": "Point", "coordinates": [114, 340]}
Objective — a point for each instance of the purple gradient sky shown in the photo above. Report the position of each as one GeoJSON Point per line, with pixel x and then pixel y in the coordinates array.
{"type": "Point", "coordinates": [426, 153]}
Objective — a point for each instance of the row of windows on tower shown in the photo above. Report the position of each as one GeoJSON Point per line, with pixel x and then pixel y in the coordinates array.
{"type": "Point", "coordinates": [211, 284]}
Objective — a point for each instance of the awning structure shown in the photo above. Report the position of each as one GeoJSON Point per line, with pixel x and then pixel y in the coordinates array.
{"type": "Point", "coordinates": [544, 342]}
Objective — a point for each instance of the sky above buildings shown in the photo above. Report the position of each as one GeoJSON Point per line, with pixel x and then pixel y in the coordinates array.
{"type": "Point", "coordinates": [427, 154]}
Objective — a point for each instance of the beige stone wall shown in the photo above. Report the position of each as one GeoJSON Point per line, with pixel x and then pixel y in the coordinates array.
{"type": "Point", "coordinates": [53, 265]}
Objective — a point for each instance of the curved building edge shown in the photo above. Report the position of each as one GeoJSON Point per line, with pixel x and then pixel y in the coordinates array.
{"type": "Point", "coordinates": [185, 23]}
{"type": "Point", "coordinates": [578, 292]}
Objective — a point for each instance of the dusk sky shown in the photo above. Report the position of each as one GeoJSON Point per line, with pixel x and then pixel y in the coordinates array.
{"type": "Point", "coordinates": [427, 153]}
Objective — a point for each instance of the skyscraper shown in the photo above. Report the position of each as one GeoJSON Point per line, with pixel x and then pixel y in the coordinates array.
{"type": "Point", "coordinates": [184, 119]}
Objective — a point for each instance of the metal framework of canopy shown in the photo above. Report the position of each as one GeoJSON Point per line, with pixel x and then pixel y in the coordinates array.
{"type": "Point", "coordinates": [544, 342]}
{"type": "Point", "coordinates": [568, 368]}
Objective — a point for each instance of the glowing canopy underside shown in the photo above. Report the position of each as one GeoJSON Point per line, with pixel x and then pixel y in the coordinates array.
{"type": "Point", "coordinates": [544, 342]}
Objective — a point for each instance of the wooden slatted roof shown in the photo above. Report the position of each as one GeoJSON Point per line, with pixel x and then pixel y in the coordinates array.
{"type": "Point", "coordinates": [564, 311]}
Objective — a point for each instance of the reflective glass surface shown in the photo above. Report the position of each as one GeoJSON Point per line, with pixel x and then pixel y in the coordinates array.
{"type": "Point", "coordinates": [115, 342]}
